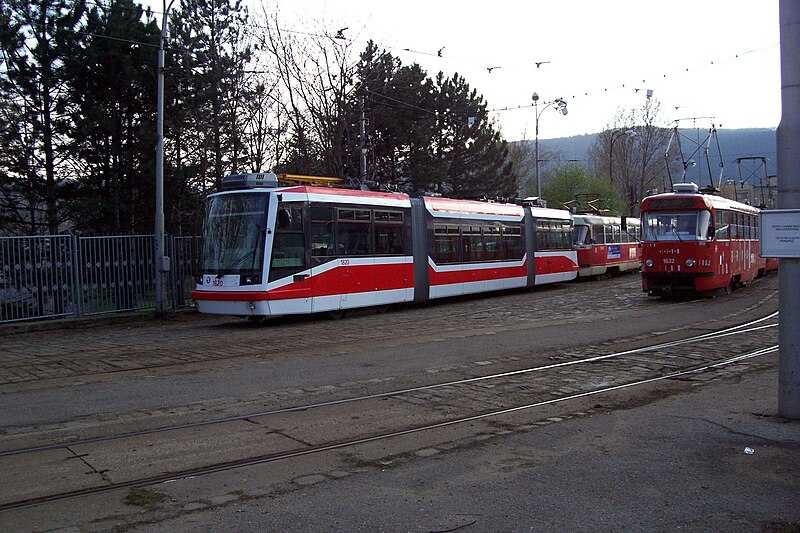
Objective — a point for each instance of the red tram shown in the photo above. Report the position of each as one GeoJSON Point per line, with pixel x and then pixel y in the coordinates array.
{"type": "Point", "coordinates": [693, 242]}
{"type": "Point", "coordinates": [606, 245]}
{"type": "Point", "coordinates": [270, 250]}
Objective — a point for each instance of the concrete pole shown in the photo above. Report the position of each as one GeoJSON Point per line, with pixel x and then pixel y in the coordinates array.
{"type": "Point", "coordinates": [161, 264]}
{"type": "Point", "coordinates": [788, 137]}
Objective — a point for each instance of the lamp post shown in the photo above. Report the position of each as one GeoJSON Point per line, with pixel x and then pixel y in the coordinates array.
{"type": "Point", "coordinates": [161, 260]}
{"type": "Point", "coordinates": [562, 108]}
{"type": "Point", "coordinates": [616, 134]}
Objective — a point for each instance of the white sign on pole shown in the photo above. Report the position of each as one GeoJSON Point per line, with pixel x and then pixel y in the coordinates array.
{"type": "Point", "coordinates": [780, 233]}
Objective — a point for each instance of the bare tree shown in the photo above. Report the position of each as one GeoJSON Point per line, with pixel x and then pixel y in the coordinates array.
{"type": "Point", "coordinates": [314, 71]}
{"type": "Point", "coordinates": [631, 153]}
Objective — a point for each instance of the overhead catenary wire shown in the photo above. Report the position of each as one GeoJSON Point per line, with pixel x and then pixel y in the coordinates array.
{"type": "Point", "coordinates": [439, 55]}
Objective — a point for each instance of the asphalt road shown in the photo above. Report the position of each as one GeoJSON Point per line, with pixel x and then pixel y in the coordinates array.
{"type": "Point", "coordinates": [86, 382]}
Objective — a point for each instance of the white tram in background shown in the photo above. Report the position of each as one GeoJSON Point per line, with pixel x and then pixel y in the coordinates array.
{"type": "Point", "coordinates": [606, 245]}
{"type": "Point", "coordinates": [272, 250]}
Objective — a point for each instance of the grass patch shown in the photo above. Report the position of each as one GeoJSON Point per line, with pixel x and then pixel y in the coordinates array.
{"type": "Point", "coordinates": [143, 498]}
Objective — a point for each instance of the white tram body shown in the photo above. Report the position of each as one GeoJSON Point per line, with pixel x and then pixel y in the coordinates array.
{"type": "Point", "coordinates": [270, 250]}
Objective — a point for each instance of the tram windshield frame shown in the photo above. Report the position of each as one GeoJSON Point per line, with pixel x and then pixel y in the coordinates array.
{"type": "Point", "coordinates": [682, 225]}
{"type": "Point", "coordinates": [234, 234]}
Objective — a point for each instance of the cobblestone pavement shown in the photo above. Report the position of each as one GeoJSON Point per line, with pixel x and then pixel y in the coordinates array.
{"type": "Point", "coordinates": [31, 357]}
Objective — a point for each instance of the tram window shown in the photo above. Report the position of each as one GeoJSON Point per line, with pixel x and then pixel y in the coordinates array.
{"type": "Point", "coordinates": [445, 244]}
{"type": "Point", "coordinates": [322, 232]}
{"type": "Point", "coordinates": [542, 234]}
{"type": "Point", "coordinates": [388, 239]}
{"type": "Point", "coordinates": [722, 224]}
{"type": "Point", "coordinates": [354, 239]}
{"type": "Point", "coordinates": [513, 243]}
{"type": "Point", "coordinates": [288, 244]}
{"type": "Point", "coordinates": [290, 218]}
{"type": "Point", "coordinates": [581, 235]}
{"type": "Point", "coordinates": [563, 235]}
{"type": "Point", "coordinates": [598, 234]}
{"type": "Point", "coordinates": [704, 226]}
{"type": "Point", "coordinates": [288, 250]}
{"type": "Point", "coordinates": [388, 232]}
{"type": "Point", "coordinates": [736, 226]}
{"type": "Point", "coordinates": [471, 240]}
{"type": "Point", "coordinates": [354, 235]}
{"type": "Point", "coordinates": [389, 216]}
{"type": "Point", "coordinates": [492, 243]}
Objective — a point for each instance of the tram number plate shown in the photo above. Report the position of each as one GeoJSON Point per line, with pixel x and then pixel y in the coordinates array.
{"type": "Point", "coordinates": [210, 280]}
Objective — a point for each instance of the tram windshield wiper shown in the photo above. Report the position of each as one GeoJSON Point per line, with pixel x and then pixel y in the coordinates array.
{"type": "Point", "coordinates": [235, 263]}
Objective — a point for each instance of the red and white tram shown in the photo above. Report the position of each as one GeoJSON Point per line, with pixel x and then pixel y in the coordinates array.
{"type": "Point", "coordinates": [606, 245]}
{"type": "Point", "coordinates": [271, 250]}
{"type": "Point", "coordinates": [693, 242]}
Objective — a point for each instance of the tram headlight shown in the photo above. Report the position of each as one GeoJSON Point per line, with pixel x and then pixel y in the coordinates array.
{"type": "Point", "coordinates": [648, 263]}
{"type": "Point", "coordinates": [690, 263]}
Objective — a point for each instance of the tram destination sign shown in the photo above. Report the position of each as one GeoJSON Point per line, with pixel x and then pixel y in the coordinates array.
{"type": "Point", "coordinates": [780, 233]}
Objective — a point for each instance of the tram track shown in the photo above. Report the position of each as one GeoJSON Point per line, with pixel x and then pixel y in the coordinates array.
{"type": "Point", "coordinates": [449, 402]}
{"type": "Point", "coordinates": [105, 356]}
{"type": "Point", "coordinates": [735, 330]}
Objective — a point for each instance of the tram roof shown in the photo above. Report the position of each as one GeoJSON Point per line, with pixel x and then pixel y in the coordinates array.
{"type": "Point", "coordinates": [602, 219]}
{"type": "Point", "coordinates": [670, 201]}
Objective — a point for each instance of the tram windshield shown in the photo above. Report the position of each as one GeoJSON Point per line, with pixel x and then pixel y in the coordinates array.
{"type": "Point", "coordinates": [581, 235]}
{"type": "Point", "coordinates": [234, 234]}
{"type": "Point", "coordinates": [692, 225]}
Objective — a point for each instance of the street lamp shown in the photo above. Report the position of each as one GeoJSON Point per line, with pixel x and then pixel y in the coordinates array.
{"type": "Point", "coordinates": [562, 108]}
{"type": "Point", "coordinates": [616, 134]}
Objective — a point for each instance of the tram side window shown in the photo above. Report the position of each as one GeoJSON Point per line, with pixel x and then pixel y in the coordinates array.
{"type": "Point", "coordinates": [542, 234]}
{"type": "Point", "coordinates": [288, 245]}
{"type": "Point", "coordinates": [354, 232]}
{"type": "Point", "coordinates": [513, 243]}
{"type": "Point", "coordinates": [553, 235]}
{"type": "Point", "coordinates": [471, 240]}
{"type": "Point", "coordinates": [563, 231]}
{"type": "Point", "coordinates": [722, 224]}
{"type": "Point", "coordinates": [492, 243]}
{"type": "Point", "coordinates": [736, 225]}
{"type": "Point", "coordinates": [598, 233]}
{"type": "Point", "coordinates": [388, 232]}
{"type": "Point", "coordinates": [445, 243]}
{"type": "Point", "coordinates": [322, 243]}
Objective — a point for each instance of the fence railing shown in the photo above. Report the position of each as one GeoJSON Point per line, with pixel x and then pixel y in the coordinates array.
{"type": "Point", "coordinates": [68, 275]}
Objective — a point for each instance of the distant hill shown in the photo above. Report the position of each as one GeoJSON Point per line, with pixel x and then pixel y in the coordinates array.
{"type": "Point", "coordinates": [733, 143]}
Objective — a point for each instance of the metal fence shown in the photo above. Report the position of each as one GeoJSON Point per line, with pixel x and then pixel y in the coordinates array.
{"type": "Point", "coordinates": [69, 275]}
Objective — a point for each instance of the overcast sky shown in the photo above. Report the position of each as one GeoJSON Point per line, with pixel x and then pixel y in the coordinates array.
{"type": "Point", "coordinates": [701, 58]}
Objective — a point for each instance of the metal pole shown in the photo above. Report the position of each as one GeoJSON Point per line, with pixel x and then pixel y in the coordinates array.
{"type": "Point", "coordinates": [362, 153]}
{"type": "Point", "coordinates": [536, 150]}
{"type": "Point", "coordinates": [788, 138]}
{"type": "Point", "coordinates": [161, 264]}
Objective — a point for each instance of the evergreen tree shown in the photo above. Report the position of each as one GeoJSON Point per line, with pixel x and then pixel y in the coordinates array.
{"type": "Point", "coordinates": [35, 38]}
{"type": "Point", "coordinates": [113, 120]}
{"type": "Point", "coordinates": [212, 56]}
